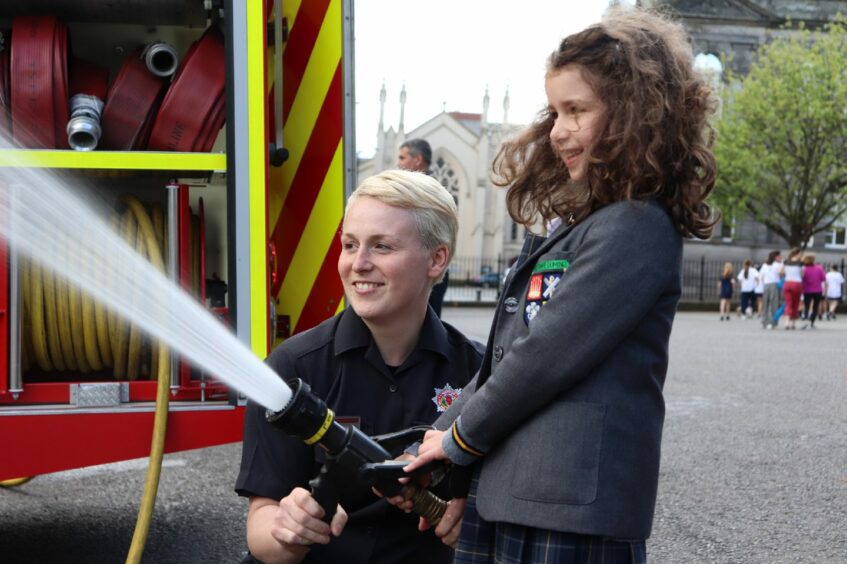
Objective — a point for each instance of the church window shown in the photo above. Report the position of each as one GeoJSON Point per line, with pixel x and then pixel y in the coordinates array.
{"type": "Point", "coordinates": [448, 178]}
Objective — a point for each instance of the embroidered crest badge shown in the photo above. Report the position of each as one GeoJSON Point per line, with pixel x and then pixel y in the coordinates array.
{"type": "Point", "coordinates": [546, 276]}
{"type": "Point", "coordinates": [445, 396]}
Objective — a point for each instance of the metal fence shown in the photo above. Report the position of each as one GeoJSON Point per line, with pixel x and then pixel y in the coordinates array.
{"type": "Point", "coordinates": [480, 279]}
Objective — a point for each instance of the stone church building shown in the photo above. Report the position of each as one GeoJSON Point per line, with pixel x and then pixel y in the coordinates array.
{"type": "Point", "coordinates": [464, 144]}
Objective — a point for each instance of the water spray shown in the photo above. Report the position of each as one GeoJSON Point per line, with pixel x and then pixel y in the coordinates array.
{"type": "Point", "coordinates": [38, 210]}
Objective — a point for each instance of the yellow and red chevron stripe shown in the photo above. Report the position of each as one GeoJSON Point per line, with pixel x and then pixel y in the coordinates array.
{"type": "Point", "coordinates": [306, 194]}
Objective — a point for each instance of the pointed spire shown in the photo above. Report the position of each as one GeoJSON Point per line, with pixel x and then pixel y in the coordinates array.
{"type": "Point", "coordinates": [402, 107]}
{"type": "Point", "coordinates": [485, 102]}
{"type": "Point", "coordinates": [382, 95]}
{"type": "Point", "coordinates": [506, 107]}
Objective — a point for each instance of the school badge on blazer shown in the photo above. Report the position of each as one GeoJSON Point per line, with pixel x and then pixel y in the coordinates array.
{"type": "Point", "coordinates": [546, 276]}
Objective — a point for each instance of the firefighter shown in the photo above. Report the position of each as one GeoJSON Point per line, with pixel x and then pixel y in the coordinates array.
{"type": "Point", "coordinates": [385, 363]}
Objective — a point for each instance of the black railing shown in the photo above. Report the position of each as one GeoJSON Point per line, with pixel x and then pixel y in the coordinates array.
{"type": "Point", "coordinates": [480, 279]}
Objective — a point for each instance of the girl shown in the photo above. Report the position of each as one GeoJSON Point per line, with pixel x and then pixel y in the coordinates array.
{"type": "Point", "coordinates": [792, 272]}
{"type": "Point", "coordinates": [771, 277]}
{"type": "Point", "coordinates": [562, 425]}
{"type": "Point", "coordinates": [748, 280]}
{"type": "Point", "coordinates": [725, 286]}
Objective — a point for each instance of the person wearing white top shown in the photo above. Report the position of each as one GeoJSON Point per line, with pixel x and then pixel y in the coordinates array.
{"type": "Point", "coordinates": [769, 274]}
{"type": "Point", "coordinates": [748, 279]}
{"type": "Point", "coordinates": [834, 289]}
{"type": "Point", "coordinates": [759, 293]}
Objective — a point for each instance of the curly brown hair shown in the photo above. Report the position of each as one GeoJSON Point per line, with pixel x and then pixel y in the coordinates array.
{"type": "Point", "coordinates": [656, 141]}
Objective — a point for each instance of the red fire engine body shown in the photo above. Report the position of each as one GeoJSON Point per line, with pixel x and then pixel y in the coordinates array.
{"type": "Point", "coordinates": [265, 234]}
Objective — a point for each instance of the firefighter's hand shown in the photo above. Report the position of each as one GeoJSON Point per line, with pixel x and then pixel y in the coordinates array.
{"type": "Point", "coordinates": [429, 451]}
{"type": "Point", "coordinates": [451, 522]}
{"type": "Point", "coordinates": [298, 521]}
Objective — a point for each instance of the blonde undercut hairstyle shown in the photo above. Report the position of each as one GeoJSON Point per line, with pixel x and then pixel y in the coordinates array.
{"type": "Point", "coordinates": [432, 205]}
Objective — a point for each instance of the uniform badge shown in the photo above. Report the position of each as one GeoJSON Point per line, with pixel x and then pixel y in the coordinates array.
{"type": "Point", "coordinates": [445, 396]}
{"type": "Point", "coordinates": [542, 285]}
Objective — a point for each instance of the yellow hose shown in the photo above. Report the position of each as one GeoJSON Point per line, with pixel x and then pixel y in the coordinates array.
{"type": "Point", "coordinates": [64, 328]}
{"type": "Point", "coordinates": [77, 335]}
{"type": "Point", "coordinates": [117, 326]}
{"type": "Point", "coordinates": [26, 323]}
{"type": "Point", "coordinates": [14, 482]}
{"type": "Point", "coordinates": [101, 323]}
{"type": "Point", "coordinates": [154, 467]}
{"type": "Point", "coordinates": [160, 420]}
{"type": "Point", "coordinates": [39, 334]}
{"type": "Point", "coordinates": [64, 316]}
{"type": "Point", "coordinates": [53, 343]}
{"type": "Point", "coordinates": [133, 359]}
{"type": "Point", "coordinates": [89, 332]}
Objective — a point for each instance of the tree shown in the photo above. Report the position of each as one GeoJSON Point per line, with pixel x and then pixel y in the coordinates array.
{"type": "Point", "coordinates": [782, 135]}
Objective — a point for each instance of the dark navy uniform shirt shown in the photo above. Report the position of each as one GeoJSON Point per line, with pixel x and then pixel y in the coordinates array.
{"type": "Point", "coordinates": [342, 364]}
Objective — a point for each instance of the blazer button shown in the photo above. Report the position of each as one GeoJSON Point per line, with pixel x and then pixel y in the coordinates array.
{"type": "Point", "coordinates": [498, 353]}
{"type": "Point", "coordinates": [392, 388]}
{"type": "Point", "coordinates": [510, 305]}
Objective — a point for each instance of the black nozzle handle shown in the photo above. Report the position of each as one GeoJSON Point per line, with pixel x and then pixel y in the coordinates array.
{"type": "Point", "coordinates": [325, 493]}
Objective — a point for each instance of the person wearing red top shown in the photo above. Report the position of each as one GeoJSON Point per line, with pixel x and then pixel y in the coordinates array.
{"type": "Point", "coordinates": [813, 281]}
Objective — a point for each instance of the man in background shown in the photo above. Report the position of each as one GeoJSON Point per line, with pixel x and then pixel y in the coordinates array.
{"type": "Point", "coordinates": [416, 155]}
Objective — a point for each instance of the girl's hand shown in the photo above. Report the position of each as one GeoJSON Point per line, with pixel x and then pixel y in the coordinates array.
{"type": "Point", "coordinates": [429, 451]}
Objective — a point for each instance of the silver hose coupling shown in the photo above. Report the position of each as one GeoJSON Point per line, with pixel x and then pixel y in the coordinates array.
{"type": "Point", "coordinates": [161, 58]}
{"type": "Point", "coordinates": [84, 126]}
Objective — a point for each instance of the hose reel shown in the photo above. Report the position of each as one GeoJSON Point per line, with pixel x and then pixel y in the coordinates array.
{"type": "Point", "coordinates": [66, 330]}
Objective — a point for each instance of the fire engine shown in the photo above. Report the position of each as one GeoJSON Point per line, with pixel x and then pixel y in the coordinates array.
{"type": "Point", "coordinates": [131, 97]}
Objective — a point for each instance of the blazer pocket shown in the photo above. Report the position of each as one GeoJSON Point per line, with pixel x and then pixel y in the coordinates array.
{"type": "Point", "coordinates": [559, 454]}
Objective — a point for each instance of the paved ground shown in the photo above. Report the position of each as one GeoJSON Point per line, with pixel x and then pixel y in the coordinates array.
{"type": "Point", "coordinates": [754, 465]}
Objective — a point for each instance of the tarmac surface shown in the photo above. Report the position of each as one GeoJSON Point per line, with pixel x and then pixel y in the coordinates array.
{"type": "Point", "coordinates": [754, 465]}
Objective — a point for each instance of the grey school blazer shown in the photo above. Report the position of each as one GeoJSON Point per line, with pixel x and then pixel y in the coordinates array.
{"type": "Point", "coordinates": [565, 415]}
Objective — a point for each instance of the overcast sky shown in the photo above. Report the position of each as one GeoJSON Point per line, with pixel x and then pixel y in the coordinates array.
{"type": "Point", "coordinates": [447, 51]}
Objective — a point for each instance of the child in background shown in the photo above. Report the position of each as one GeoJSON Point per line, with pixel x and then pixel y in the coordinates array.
{"type": "Point", "coordinates": [792, 271]}
{"type": "Point", "coordinates": [725, 286]}
{"type": "Point", "coordinates": [748, 279]}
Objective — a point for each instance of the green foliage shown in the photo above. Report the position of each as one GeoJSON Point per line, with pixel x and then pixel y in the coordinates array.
{"type": "Point", "coordinates": [782, 135]}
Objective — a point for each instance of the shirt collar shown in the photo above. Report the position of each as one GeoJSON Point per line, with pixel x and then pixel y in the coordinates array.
{"type": "Point", "coordinates": [352, 333]}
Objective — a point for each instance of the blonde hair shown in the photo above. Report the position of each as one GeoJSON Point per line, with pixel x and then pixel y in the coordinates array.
{"type": "Point", "coordinates": [727, 269]}
{"type": "Point", "coordinates": [432, 205]}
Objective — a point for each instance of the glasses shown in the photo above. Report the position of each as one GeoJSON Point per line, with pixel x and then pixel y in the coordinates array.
{"type": "Point", "coordinates": [568, 121]}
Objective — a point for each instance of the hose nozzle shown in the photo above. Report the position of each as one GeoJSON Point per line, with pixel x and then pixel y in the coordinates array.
{"type": "Point", "coordinates": [161, 58]}
{"type": "Point", "coordinates": [84, 126]}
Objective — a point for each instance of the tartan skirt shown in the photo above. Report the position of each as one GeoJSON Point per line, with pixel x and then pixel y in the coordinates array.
{"type": "Point", "coordinates": [486, 542]}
